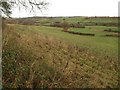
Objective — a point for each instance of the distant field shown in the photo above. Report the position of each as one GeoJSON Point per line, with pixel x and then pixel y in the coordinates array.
{"type": "Point", "coordinates": [97, 30]}
{"type": "Point", "coordinates": [80, 19]}
{"type": "Point", "coordinates": [83, 20]}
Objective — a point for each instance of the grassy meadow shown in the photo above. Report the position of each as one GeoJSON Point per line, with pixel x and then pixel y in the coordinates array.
{"type": "Point", "coordinates": [43, 56]}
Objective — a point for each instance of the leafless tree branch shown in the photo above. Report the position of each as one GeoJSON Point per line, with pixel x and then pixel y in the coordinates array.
{"type": "Point", "coordinates": [30, 5]}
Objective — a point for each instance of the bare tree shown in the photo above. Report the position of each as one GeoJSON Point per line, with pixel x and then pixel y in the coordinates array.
{"type": "Point", "coordinates": [31, 5]}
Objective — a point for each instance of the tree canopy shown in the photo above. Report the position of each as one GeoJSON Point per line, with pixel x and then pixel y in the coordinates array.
{"type": "Point", "coordinates": [31, 5]}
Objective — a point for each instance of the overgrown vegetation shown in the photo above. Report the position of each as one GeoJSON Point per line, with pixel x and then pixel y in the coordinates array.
{"type": "Point", "coordinates": [34, 60]}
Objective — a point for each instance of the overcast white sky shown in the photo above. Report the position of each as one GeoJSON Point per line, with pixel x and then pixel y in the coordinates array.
{"type": "Point", "coordinates": [75, 8]}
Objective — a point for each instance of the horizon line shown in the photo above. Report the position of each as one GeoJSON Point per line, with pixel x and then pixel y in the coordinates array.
{"type": "Point", "coordinates": [66, 16]}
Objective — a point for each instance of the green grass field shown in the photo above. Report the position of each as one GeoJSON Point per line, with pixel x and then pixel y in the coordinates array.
{"type": "Point", "coordinates": [99, 44]}
{"type": "Point", "coordinates": [47, 57]}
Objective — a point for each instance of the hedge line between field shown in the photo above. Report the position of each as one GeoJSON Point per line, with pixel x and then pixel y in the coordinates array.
{"type": "Point", "coordinates": [77, 33]}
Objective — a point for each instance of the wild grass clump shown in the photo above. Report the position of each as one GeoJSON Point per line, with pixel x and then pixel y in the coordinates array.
{"type": "Point", "coordinates": [33, 60]}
